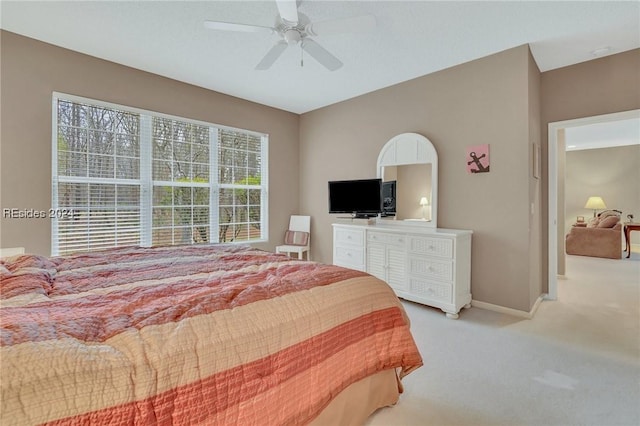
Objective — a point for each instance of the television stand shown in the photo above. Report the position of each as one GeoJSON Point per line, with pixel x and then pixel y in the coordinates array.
{"type": "Point", "coordinates": [354, 220]}
{"type": "Point", "coordinates": [358, 215]}
{"type": "Point", "coordinates": [426, 265]}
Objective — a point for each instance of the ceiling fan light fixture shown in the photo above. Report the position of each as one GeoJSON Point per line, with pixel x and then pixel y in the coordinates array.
{"type": "Point", "coordinates": [292, 37]}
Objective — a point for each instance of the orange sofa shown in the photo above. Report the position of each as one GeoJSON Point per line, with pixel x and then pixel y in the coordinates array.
{"type": "Point", "coordinates": [602, 237]}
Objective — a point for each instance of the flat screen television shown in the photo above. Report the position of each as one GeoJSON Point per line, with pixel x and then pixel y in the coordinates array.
{"type": "Point", "coordinates": [360, 198]}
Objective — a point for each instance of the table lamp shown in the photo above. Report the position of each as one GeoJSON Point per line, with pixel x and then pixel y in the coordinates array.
{"type": "Point", "coordinates": [424, 203]}
{"type": "Point", "coordinates": [595, 203]}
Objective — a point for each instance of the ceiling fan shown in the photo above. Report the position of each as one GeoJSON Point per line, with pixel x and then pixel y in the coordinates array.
{"type": "Point", "coordinates": [295, 28]}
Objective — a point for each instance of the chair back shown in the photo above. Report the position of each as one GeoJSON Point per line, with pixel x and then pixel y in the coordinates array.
{"type": "Point", "coordinates": [300, 223]}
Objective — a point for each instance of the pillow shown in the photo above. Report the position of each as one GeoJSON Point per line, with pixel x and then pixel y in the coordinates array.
{"type": "Point", "coordinates": [296, 238]}
{"type": "Point", "coordinates": [25, 274]}
{"type": "Point", "coordinates": [22, 261]}
{"type": "Point", "coordinates": [593, 222]}
{"type": "Point", "coordinates": [608, 222]}
{"type": "Point", "coordinates": [607, 213]}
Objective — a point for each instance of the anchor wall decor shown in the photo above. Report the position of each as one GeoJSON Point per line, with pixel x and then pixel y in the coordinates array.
{"type": "Point", "coordinates": [478, 158]}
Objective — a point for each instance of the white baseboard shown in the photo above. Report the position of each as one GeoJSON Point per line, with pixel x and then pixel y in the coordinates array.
{"type": "Point", "coordinates": [509, 311]}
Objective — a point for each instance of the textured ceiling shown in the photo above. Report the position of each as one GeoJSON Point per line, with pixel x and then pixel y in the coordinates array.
{"type": "Point", "coordinates": [411, 39]}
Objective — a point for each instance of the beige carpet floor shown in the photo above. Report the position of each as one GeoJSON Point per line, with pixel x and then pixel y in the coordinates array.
{"type": "Point", "coordinates": [577, 362]}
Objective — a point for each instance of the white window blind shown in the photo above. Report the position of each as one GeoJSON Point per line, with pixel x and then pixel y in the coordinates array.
{"type": "Point", "coordinates": [97, 183]}
{"type": "Point", "coordinates": [181, 185]}
{"type": "Point", "coordinates": [131, 177]}
{"type": "Point", "coordinates": [239, 163]}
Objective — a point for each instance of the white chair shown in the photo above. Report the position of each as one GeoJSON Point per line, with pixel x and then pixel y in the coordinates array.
{"type": "Point", "coordinates": [297, 238]}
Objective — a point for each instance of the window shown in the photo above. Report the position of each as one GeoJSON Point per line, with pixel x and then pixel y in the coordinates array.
{"type": "Point", "coordinates": [123, 176]}
{"type": "Point", "coordinates": [181, 184]}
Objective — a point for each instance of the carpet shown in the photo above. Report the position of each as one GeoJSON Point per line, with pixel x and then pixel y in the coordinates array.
{"type": "Point", "coordinates": [577, 362]}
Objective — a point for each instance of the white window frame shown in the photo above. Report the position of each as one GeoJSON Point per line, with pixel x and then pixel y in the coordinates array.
{"type": "Point", "coordinates": [146, 181]}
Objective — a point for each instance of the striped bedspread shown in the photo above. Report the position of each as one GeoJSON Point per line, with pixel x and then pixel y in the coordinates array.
{"type": "Point", "coordinates": [189, 335]}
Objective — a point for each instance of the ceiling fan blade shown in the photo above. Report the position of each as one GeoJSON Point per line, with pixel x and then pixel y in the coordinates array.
{"type": "Point", "coordinates": [271, 56]}
{"type": "Point", "coordinates": [288, 10]}
{"type": "Point", "coordinates": [230, 26]}
{"type": "Point", "coordinates": [356, 24]}
{"type": "Point", "coordinates": [321, 54]}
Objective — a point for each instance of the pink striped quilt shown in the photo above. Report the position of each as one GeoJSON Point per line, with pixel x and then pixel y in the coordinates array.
{"type": "Point", "coordinates": [216, 334]}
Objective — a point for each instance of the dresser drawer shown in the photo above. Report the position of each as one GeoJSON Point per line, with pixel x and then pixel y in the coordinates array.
{"type": "Point", "coordinates": [441, 292]}
{"type": "Point", "coordinates": [431, 268]}
{"type": "Point", "coordinates": [386, 238]}
{"type": "Point", "coordinates": [441, 247]}
{"type": "Point", "coordinates": [353, 237]}
{"type": "Point", "coordinates": [350, 257]}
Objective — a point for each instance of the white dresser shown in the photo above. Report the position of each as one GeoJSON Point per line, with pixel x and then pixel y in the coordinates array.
{"type": "Point", "coordinates": [431, 266]}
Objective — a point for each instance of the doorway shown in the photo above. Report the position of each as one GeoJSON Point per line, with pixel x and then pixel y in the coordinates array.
{"type": "Point", "coordinates": [556, 160]}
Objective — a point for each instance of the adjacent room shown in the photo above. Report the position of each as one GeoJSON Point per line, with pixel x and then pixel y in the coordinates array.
{"type": "Point", "coordinates": [601, 158]}
{"type": "Point", "coordinates": [320, 212]}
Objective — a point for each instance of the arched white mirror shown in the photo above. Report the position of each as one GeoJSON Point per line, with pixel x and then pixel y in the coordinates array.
{"type": "Point", "coordinates": [410, 160]}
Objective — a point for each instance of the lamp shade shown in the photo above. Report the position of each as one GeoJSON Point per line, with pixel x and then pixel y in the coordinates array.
{"type": "Point", "coordinates": [595, 203]}
{"type": "Point", "coordinates": [424, 201]}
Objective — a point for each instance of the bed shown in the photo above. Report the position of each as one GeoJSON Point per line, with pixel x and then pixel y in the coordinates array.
{"type": "Point", "coordinates": [218, 334]}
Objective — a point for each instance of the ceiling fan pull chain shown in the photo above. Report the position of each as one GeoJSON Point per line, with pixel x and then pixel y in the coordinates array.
{"type": "Point", "coordinates": [301, 53]}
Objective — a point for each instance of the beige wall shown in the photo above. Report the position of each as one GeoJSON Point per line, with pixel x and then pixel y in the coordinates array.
{"type": "Point", "coordinates": [484, 101]}
{"type": "Point", "coordinates": [536, 287]}
{"type": "Point", "coordinates": [601, 86]}
{"type": "Point", "coordinates": [31, 71]}
{"type": "Point", "coordinates": [612, 173]}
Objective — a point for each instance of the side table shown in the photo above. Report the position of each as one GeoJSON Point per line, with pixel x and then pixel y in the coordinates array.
{"type": "Point", "coordinates": [628, 227]}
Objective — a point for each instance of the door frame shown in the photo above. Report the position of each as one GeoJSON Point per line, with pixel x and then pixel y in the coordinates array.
{"type": "Point", "coordinates": [556, 205]}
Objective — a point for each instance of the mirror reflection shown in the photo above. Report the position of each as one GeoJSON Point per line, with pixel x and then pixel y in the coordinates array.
{"type": "Point", "coordinates": [413, 183]}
